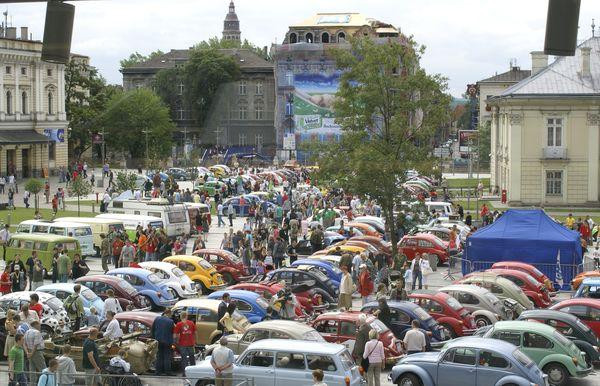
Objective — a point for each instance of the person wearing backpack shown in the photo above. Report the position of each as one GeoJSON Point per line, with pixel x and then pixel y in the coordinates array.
{"type": "Point", "coordinates": [74, 307]}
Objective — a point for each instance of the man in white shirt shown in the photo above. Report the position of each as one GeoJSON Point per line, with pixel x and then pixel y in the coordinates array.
{"type": "Point", "coordinates": [222, 361]}
{"type": "Point", "coordinates": [113, 330]}
{"type": "Point", "coordinates": [414, 339]}
{"type": "Point", "coordinates": [220, 215]}
{"type": "Point", "coordinates": [4, 239]}
{"type": "Point", "coordinates": [106, 200]}
{"type": "Point", "coordinates": [111, 303]}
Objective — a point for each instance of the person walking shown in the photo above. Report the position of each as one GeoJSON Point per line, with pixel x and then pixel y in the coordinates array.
{"type": "Point", "coordinates": [64, 267]}
{"type": "Point", "coordinates": [16, 362]}
{"type": "Point", "coordinates": [222, 362]}
{"type": "Point", "coordinates": [91, 360]}
{"type": "Point", "coordinates": [79, 268]}
{"type": "Point", "coordinates": [230, 213]}
{"type": "Point", "coordinates": [185, 335]}
{"type": "Point", "coordinates": [278, 252]}
{"type": "Point", "coordinates": [374, 353]}
{"type": "Point", "coordinates": [48, 377]}
{"type": "Point", "coordinates": [4, 239]}
{"type": "Point", "coordinates": [220, 215]}
{"type": "Point", "coordinates": [362, 336]}
{"type": "Point", "coordinates": [162, 332]}
{"type": "Point", "coordinates": [414, 339]}
{"type": "Point", "coordinates": [74, 307]}
{"type": "Point", "coordinates": [346, 289]}
{"type": "Point", "coordinates": [222, 310]}
{"type": "Point", "coordinates": [104, 251]}
{"type": "Point", "coordinates": [34, 348]}
{"type": "Point", "coordinates": [66, 367]}
{"type": "Point", "coordinates": [127, 254]}
{"type": "Point", "coordinates": [417, 271]}
{"type": "Point", "coordinates": [365, 284]}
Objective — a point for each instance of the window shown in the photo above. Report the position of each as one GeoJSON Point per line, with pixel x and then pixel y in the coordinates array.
{"type": "Point", "coordinates": [554, 183]}
{"type": "Point", "coordinates": [289, 78]}
{"type": "Point", "coordinates": [50, 102]}
{"type": "Point", "coordinates": [243, 112]}
{"type": "Point", "coordinates": [24, 103]}
{"type": "Point", "coordinates": [325, 37]}
{"type": "Point", "coordinates": [258, 359]}
{"type": "Point", "coordinates": [242, 87]}
{"type": "Point", "coordinates": [180, 88]}
{"type": "Point", "coordinates": [293, 361]}
{"type": "Point", "coordinates": [327, 327]}
{"type": "Point", "coordinates": [23, 70]}
{"type": "Point", "coordinates": [8, 70]}
{"type": "Point", "coordinates": [582, 312]}
{"type": "Point", "coordinates": [259, 88]}
{"type": "Point", "coordinates": [491, 359]}
{"type": "Point", "coordinates": [348, 329]}
{"type": "Point", "coordinates": [293, 38]}
{"type": "Point", "coordinates": [258, 141]}
{"type": "Point", "coordinates": [431, 306]}
{"type": "Point", "coordinates": [255, 335]}
{"type": "Point", "coordinates": [425, 244]}
{"type": "Point", "coordinates": [280, 335]}
{"type": "Point", "coordinates": [52, 150]}
{"type": "Point", "coordinates": [49, 72]}
{"type": "Point", "coordinates": [259, 111]}
{"type": "Point", "coordinates": [461, 356]}
{"type": "Point", "coordinates": [466, 298]}
{"type": "Point", "coordinates": [399, 316]}
{"type": "Point", "coordinates": [242, 140]}
{"type": "Point", "coordinates": [9, 109]}
{"type": "Point", "coordinates": [176, 217]}
{"type": "Point", "coordinates": [322, 362]}
{"type": "Point", "coordinates": [496, 289]}
{"type": "Point", "coordinates": [341, 37]}
{"type": "Point", "coordinates": [554, 127]}
{"type": "Point", "coordinates": [533, 340]}
{"type": "Point", "coordinates": [243, 306]}
{"type": "Point", "coordinates": [508, 336]}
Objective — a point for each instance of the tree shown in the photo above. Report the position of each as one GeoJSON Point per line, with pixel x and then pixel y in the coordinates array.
{"type": "Point", "coordinates": [137, 58]}
{"type": "Point", "coordinates": [137, 122]}
{"type": "Point", "coordinates": [484, 144]}
{"type": "Point", "coordinates": [388, 108]}
{"type": "Point", "coordinates": [80, 187]}
{"type": "Point", "coordinates": [34, 186]}
{"type": "Point", "coordinates": [126, 181]}
{"type": "Point", "coordinates": [216, 43]}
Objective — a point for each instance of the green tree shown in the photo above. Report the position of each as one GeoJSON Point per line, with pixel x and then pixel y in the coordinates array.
{"type": "Point", "coordinates": [137, 58]}
{"type": "Point", "coordinates": [218, 43]}
{"type": "Point", "coordinates": [126, 181]}
{"type": "Point", "coordinates": [484, 144]}
{"type": "Point", "coordinates": [388, 108]}
{"type": "Point", "coordinates": [80, 187]}
{"type": "Point", "coordinates": [34, 186]}
{"type": "Point", "coordinates": [166, 83]}
{"type": "Point", "coordinates": [137, 122]}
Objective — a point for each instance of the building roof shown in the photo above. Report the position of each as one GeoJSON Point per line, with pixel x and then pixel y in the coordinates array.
{"type": "Point", "coordinates": [562, 77]}
{"type": "Point", "coordinates": [22, 136]}
{"type": "Point", "coordinates": [515, 74]}
{"type": "Point", "coordinates": [347, 19]}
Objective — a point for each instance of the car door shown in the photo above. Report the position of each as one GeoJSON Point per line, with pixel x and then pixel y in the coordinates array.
{"type": "Point", "coordinates": [458, 367]}
{"type": "Point", "coordinates": [290, 369]}
{"type": "Point", "coordinates": [328, 329]}
{"type": "Point", "coordinates": [588, 315]}
{"type": "Point", "coordinates": [400, 322]}
{"type": "Point", "coordinates": [206, 323]}
{"type": "Point", "coordinates": [536, 346]}
{"type": "Point", "coordinates": [491, 367]}
{"type": "Point", "coordinates": [256, 365]}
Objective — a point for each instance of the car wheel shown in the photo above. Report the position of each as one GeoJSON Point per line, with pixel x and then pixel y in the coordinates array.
{"type": "Point", "coordinates": [557, 374]}
{"type": "Point", "coordinates": [228, 278]}
{"type": "Point", "coordinates": [408, 379]}
{"type": "Point", "coordinates": [449, 330]}
{"type": "Point", "coordinates": [482, 321]}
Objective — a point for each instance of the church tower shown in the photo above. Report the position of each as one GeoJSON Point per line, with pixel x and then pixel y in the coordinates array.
{"type": "Point", "coordinates": [231, 25]}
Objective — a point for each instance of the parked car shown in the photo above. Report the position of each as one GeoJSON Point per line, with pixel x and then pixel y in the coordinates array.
{"type": "Point", "coordinates": [307, 279]}
{"type": "Point", "coordinates": [549, 349]}
{"type": "Point", "coordinates": [381, 245]}
{"type": "Point", "coordinates": [347, 231]}
{"type": "Point", "coordinates": [485, 307]}
{"type": "Point", "coordinates": [528, 268]}
{"type": "Point", "coordinates": [226, 263]}
{"type": "Point", "coordinates": [402, 315]}
{"type": "Point", "coordinates": [447, 311]}
{"type": "Point", "coordinates": [423, 243]}
{"type": "Point", "coordinates": [364, 228]}
{"type": "Point", "coordinates": [328, 269]}
{"type": "Point", "coordinates": [128, 297]}
{"type": "Point", "coordinates": [269, 329]}
{"type": "Point", "coordinates": [250, 304]}
{"type": "Point", "coordinates": [199, 271]}
{"type": "Point", "coordinates": [204, 313]}
{"type": "Point", "coordinates": [63, 290]}
{"type": "Point", "coordinates": [341, 327]}
{"type": "Point", "coordinates": [306, 302]}
{"type": "Point", "coordinates": [469, 361]}
{"type": "Point", "coordinates": [179, 174]}
{"type": "Point", "coordinates": [210, 187]}
{"type": "Point", "coordinates": [149, 285]}
{"type": "Point", "coordinates": [173, 276]}
{"type": "Point", "coordinates": [54, 318]}
{"type": "Point", "coordinates": [304, 246]}
{"type": "Point", "coordinates": [571, 327]}
{"type": "Point", "coordinates": [587, 310]}
{"type": "Point", "coordinates": [286, 362]}
{"type": "Point", "coordinates": [533, 289]}
{"type": "Point", "coordinates": [576, 282]}
{"type": "Point", "coordinates": [373, 221]}
{"type": "Point", "coordinates": [501, 287]}
{"type": "Point", "coordinates": [589, 288]}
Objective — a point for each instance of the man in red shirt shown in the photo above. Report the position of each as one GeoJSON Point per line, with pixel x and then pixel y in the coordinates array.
{"type": "Point", "coordinates": [34, 304]}
{"type": "Point", "coordinates": [5, 283]}
{"type": "Point", "coordinates": [185, 337]}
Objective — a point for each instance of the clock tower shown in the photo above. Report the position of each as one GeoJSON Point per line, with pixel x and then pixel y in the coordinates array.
{"type": "Point", "coordinates": [231, 25]}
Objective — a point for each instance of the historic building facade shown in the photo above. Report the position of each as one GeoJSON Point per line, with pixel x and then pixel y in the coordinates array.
{"type": "Point", "coordinates": [231, 25]}
{"type": "Point", "coordinates": [545, 141]}
{"type": "Point", "coordinates": [33, 122]}
{"type": "Point", "coordinates": [307, 77]}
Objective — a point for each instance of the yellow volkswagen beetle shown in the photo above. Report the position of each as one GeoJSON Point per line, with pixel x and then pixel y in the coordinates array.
{"type": "Point", "coordinates": [201, 272]}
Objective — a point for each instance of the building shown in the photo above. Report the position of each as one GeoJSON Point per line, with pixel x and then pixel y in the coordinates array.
{"type": "Point", "coordinates": [33, 122]}
{"type": "Point", "coordinates": [242, 113]}
{"type": "Point", "coordinates": [307, 77]}
{"type": "Point", "coordinates": [545, 137]}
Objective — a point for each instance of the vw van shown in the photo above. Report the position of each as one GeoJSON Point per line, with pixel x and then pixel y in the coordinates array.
{"type": "Point", "coordinates": [131, 221]}
{"type": "Point", "coordinates": [98, 225]}
{"type": "Point", "coordinates": [23, 244]}
{"type": "Point", "coordinates": [82, 232]}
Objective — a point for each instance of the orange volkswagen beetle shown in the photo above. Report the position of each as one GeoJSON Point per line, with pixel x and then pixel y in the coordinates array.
{"type": "Point", "coordinates": [576, 282]}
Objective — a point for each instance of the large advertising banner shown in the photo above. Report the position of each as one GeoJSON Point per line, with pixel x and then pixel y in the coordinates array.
{"type": "Point", "coordinates": [467, 139]}
{"type": "Point", "coordinates": [313, 105]}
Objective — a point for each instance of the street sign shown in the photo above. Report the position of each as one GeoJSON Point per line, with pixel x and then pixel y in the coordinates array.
{"type": "Point", "coordinates": [441, 152]}
{"type": "Point", "coordinates": [467, 139]}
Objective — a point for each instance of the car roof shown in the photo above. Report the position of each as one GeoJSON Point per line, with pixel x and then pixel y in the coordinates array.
{"type": "Point", "coordinates": [548, 314]}
{"type": "Point", "coordinates": [465, 287]}
{"type": "Point", "coordinates": [158, 264]}
{"type": "Point", "coordinates": [429, 293]}
{"type": "Point", "coordinates": [312, 262]}
{"type": "Point", "coordinates": [402, 304]}
{"type": "Point", "coordinates": [235, 293]}
{"type": "Point", "coordinates": [137, 315]}
{"type": "Point", "coordinates": [25, 295]}
{"type": "Point", "coordinates": [293, 345]}
{"type": "Point", "coordinates": [577, 301]}
{"type": "Point", "coordinates": [483, 343]}
{"type": "Point", "coordinates": [42, 237]}
{"type": "Point", "coordinates": [351, 316]}
{"type": "Point", "coordinates": [521, 325]}
{"type": "Point", "coordinates": [131, 271]}
{"type": "Point", "coordinates": [102, 278]}
{"type": "Point", "coordinates": [212, 304]}
{"type": "Point", "coordinates": [288, 326]}
{"type": "Point", "coordinates": [591, 281]}
{"type": "Point", "coordinates": [60, 286]}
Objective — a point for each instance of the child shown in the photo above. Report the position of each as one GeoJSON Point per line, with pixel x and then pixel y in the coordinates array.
{"type": "Point", "coordinates": [407, 276]}
{"type": "Point", "coordinates": [93, 319]}
{"type": "Point", "coordinates": [318, 378]}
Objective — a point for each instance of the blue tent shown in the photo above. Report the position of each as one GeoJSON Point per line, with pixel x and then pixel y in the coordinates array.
{"type": "Point", "coordinates": [528, 236]}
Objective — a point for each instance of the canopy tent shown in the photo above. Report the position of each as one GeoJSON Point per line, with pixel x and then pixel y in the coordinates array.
{"type": "Point", "coordinates": [528, 236]}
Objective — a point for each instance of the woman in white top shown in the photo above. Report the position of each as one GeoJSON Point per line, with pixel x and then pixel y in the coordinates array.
{"type": "Point", "coordinates": [374, 352]}
{"type": "Point", "coordinates": [111, 303]}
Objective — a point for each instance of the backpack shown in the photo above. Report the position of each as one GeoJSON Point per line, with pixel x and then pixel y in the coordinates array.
{"type": "Point", "coordinates": [71, 305]}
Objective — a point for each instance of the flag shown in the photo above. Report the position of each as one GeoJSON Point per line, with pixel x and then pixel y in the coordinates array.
{"type": "Point", "coordinates": [558, 276]}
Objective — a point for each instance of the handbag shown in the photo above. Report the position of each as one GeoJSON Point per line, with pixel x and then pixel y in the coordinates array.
{"type": "Point", "coordinates": [364, 362]}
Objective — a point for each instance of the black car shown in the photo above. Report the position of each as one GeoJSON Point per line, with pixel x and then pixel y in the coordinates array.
{"type": "Point", "coordinates": [304, 248]}
{"type": "Point", "coordinates": [295, 277]}
{"type": "Point", "coordinates": [571, 327]}
{"type": "Point", "coordinates": [178, 174]}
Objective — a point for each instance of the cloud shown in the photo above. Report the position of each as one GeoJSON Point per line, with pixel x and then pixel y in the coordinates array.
{"type": "Point", "coordinates": [466, 40]}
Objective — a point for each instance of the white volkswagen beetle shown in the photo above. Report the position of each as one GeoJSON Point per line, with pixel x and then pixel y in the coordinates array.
{"type": "Point", "coordinates": [174, 277]}
{"type": "Point", "coordinates": [54, 316]}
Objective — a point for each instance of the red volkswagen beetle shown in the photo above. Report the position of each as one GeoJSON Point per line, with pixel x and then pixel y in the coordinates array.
{"type": "Point", "coordinates": [530, 269]}
{"type": "Point", "coordinates": [586, 309]}
{"type": "Point", "coordinates": [535, 291]}
{"type": "Point", "coordinates": [446, 310]}
{"type": "Point", "coordinates": [421, 243]}
{"type": "Point", "coordinates": [226, 263]}
{"type": "Point", "coordinates": [306, 301]}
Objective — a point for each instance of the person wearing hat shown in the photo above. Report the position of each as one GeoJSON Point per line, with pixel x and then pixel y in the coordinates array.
{"type": "Point", "coordinates": [365, 284]}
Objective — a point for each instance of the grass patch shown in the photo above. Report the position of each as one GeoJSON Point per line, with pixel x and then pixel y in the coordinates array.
{"type": "Point", "coordinates": [456, 183]}
{"type": "Point", "coordinates": [14, 217]}
{"type": "Point", "coordinates": [83, 202]}
{"type": "Point", "coordinates": [473, 205]}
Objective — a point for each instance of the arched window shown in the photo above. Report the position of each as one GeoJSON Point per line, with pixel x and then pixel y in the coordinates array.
{"type": "Point", "coordinates": [309, 37]}
{"type": "Point", "coordinates": [24, 103]}
{"type": "Point", "coordinates": [325, 37]}
{"type": "Point", "coordinates": [293, 38]}
{"type": "Point", "coordinates": [9, 109]}
{"type": "Point", "coordinates": [50, 104]}
{"type": "Point", "coordinates": [341, 37]}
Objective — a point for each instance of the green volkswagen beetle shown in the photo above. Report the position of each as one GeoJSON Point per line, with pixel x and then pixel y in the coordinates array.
{"type": "Point", "coordinates": [556, 355]}
{"type": "Point", "coordinates": [210, 187]}
{"type": "Point", "coordinates": [501, 287]}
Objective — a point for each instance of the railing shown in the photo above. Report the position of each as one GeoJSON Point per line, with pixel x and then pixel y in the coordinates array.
{"type": "Point", "coordinates": [554, 152]}
{"type": "Point", "coordinates": [455, 267]}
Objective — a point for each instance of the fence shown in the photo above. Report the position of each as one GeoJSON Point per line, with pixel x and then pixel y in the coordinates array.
{"type": "Point", "coordinates": [105, 379]}
{"type": "Point", "coordinates": [455, 267]}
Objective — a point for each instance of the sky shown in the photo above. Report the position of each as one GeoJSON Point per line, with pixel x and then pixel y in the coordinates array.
{"type": "Point", "coordinates": [466, 40]}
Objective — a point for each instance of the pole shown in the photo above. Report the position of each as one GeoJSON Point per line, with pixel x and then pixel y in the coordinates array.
{"type": "Point", "coordinates": [103, 151]}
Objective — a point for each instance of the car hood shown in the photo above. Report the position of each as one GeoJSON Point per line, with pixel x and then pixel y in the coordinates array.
{"type": "Point", "coordinates": [432, 357]}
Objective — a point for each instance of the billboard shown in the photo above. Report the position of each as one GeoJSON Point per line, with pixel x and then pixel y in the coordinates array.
{"type": "Point", "coordinates": [466, 138]}
{"type": "Point", "coordinates": [56, 135]}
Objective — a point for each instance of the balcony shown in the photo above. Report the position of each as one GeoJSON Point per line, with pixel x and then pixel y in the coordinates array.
{"type": "Point", "coordinates": [554, 152]}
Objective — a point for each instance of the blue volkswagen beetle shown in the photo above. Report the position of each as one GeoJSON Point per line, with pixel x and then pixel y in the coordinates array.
{"type": "Point", "coordinates": [250, 304]}
{"type": "Point", "coordinates": [469, 361]}
{"type": "Point", "coordinates": [148, 285]}
{"type": "Point", "coordinates": [327, 268]}
{"type": "Point", "coordinates": [64, 290]}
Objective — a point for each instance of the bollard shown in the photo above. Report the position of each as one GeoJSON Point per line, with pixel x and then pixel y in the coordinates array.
{"type": "Point", "coordinates": [96, 197]}
{"type": "Point", "coordinates": [93, 208]}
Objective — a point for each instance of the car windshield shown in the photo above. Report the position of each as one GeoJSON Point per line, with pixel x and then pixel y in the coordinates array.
{"type": "Point", "coordinates": [522, 358]}
{"type": "Point", "coordinates": [492, 298]}
{"type": "Point", "coordinates": [378, 326]}
{"type": "Point", "coordinates": [128, 288]}
{"type": "Point", "coordinates": [313, 336]}
{"type": "Point", "coordinates": [422, 314]}
{"type": "Point", "coordinates": [54, 304]}
{"type": "Point", "coordinates": [262, 302]}
{"type": "Point", "coordinates": [347, 360]}
{"type": "Point", "coordinates": [205, 264]}
{"type": "Point", "coordinates": [153, 278]}
{"type": "Point", "coordinates": [438, 242]}
{"type": "Point", "coordinates": [88, 294]}
{"type": "Point", "coordinates": [454, 304]}
{"type": "Point", "coordinates": [532, 281]}
{"type": "Point", "coordinates": [177, 272]}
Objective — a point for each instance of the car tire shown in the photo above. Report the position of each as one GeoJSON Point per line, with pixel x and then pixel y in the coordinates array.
{"type": "Point", "coordinates": [408, 379]}
{"type": "Point", "coordinates": [557, 374]}
{"type": "Point", "coordinates": [228, 278]}
{"type": "Point", "coordinates": [450, 330]}
{"type": "Point", "coordinates": [482, 321]}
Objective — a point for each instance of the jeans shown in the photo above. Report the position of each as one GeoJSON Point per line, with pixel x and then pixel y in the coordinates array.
{"type": "Point", "coordinates": [163, 358]}
{"type": "Point", "coordinates": [62, 278]}
{"type": "Point", "coordinates": [230, 220]}
{"type": "Point", "coordinates": [188, 357]}
{"type": "Point", "coordinates": [220, 218]}
{"type": "Point", "coordinates": [417, 275]}
{"type": "Point", "coordinates": [150, 256]}
{"type": "Point", "coordinates": [373, 374]}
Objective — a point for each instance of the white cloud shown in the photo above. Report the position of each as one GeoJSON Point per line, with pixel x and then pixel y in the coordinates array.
{"type": "Point", "coordinates": [466, 40]}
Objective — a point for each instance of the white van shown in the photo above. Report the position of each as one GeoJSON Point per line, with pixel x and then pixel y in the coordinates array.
{"type": "Point", "coordinates": [175, 216]}
{"type": "Point", "coordinates": [440, 207]}
{"type": "Point", "coordinates": [131, 221]}
{"type": "Point", "coordinates": [82, 232]}
{"type": "Point", "coordinates": [98, 225]}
